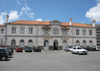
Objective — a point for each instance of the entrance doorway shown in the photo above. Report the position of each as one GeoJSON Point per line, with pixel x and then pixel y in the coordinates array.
{"type": "Point", "coordinates": [64, 44]}
{"type": "Point", "coordinates": [55, 45]}
{"type": "Point", "coordinates": [46, 45]}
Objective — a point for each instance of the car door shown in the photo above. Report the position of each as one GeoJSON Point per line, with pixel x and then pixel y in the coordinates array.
{"type": "Point", "coordinates": [74, 50]}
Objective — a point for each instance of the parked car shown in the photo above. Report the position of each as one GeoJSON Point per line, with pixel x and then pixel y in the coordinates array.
{"type": "Point", "coordinates": [37, 49]}
{"type": "Point", "coordinates": [11, 49]}
{"type": "Point", "coordinates": [90, 48]}
{"type": "Point", "coordinates": [3, 54]}
{"type": "Point", "coordinates": [98, 48]}
{"type": "Point", "coordinates": [19, 49]}
{"type": "Point", "coordinates": [79, 50]}
{"type": "Point", "coordinates": [68, 48]}
{"type": "Point", "coordinates": [28, 49]}
{"type": "Point", "coordinates": [8, 50]}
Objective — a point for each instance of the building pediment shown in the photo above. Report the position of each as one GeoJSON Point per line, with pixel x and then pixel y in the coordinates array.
{"type": "Point", "coordinates": [55, 22]}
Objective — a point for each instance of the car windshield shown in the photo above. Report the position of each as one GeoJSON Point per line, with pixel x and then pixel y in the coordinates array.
{"type": "Point", "coordinates": [79, 48]}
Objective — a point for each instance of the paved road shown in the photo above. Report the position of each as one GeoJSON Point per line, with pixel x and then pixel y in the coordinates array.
{"type": "Point", "coordinates": [52, 61]}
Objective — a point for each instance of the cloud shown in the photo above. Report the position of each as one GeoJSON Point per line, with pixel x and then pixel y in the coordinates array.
{"type": "Point", "coordinates": [2, 16]}
{"type": "Point", "coordinates": [94, 12]}
{"type": "Point", "coordinates": [14, 15]}
{"type": "Point", "coordinates": [39, 19]}
{"type": "Point", "coordinates": [27, 11]}
{"type": "Point", "coordinates": [18, 2]}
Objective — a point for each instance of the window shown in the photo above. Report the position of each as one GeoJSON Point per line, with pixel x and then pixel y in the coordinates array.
{"type": "Point", "coordinates": [77, 32]}
{"type": "Point", "coordinates": [13, 43]}
{"type": "Point", "coordinates": [77, 43]}
{"type": "Point", "coordinates": [90, 44]}
{"type": "Point", "coordinates": [90, 32]}
{"type": "Point", "coordinates": [2, 30]}
{"type": "Point", "coordinates": [64, 32]}
{"type": "Point", "coordinates": [30, 30]}
{"type": "Point", "coordinates": [84, 43]}
{"type": "Point", "coordinates": [13, 30]}
{"type": "Point", "coordinates": [21, 30]}
{"type": "Point", "coordinates": [84, 32]}
{"type": "Point", "coordinates": [45, 31]}
{"type": "Point", "coordinates": [55, 30]}
{"type": "Point", "coordinates": [21, 43]}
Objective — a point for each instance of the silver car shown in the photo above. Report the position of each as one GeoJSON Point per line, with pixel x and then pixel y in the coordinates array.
{"type": "Point", "coordinates": [68, 49]}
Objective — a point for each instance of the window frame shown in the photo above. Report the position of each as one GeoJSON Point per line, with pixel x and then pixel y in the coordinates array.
{"type": "Point", "coordinates": [90, 32]}
{"type": "Point", "coordinates": [2, 30]}
{"type": "Point", "coordinates": [84, 32]}
{"type": "Point", "coordinates": [30, 30]}
{"type": "Point", "coordinates": [13, 30]}
{"type": "Point", "coordinates": [22, 30]}
{"type": "Point", "coordinates": [77, 31]}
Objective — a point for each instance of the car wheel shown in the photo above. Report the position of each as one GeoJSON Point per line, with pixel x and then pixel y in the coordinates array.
{"type": "Point", "coordinates": [3, 58]}
{"type": "Point", "coordinates": [78, 53]}
{"type": "Point", "coordinates": [85, 53]}
{"type": "Point", "coordinates": [72, 52]}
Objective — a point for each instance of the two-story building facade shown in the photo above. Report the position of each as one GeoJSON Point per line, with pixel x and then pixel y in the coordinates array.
{"type": "Point", "coordinates": [49, 35]}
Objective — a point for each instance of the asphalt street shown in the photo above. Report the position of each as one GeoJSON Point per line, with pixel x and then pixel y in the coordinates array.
{"type": "Point", "coordinates": [51, 61]}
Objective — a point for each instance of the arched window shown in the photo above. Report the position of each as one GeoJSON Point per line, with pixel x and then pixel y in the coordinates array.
{"type": "Point", "coordinates": [84, 43]}
{"type": "Point", "coordinates": [13, 43]}
{"type": "Point", "coordinates": [90, 43]}
{"type": "Point", "coordinates": [55, 30]}
{"type": "Point", "coordinates": [21, 43]}
{"type": "Point", "coordinates": [30, 44]}
{"type": "Point", "coordinates": [77, 43]}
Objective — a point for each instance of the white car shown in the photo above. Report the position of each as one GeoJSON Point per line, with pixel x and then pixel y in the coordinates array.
{"type": "Point", "coordinates": [98, 48]}
{"type": "Point", "coordinates": [79, 50]}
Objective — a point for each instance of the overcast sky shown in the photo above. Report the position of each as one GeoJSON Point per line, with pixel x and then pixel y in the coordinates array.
{"type": "Point", "coordinates": [82, 11]}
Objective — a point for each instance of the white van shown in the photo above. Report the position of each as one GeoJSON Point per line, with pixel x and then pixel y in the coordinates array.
{"type": "Point", "coordinates": [98, 48]}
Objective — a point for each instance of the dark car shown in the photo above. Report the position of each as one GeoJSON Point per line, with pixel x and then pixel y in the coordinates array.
{"type": "Point", "coordinates": [11, 49]}
{"type": "Point", "coordinates": [8, 50]}
{"type": "Point", "coordinates": [93, 48]}
{"type": "Point", "coordinates": [19, 49]}
{"type": "Point", "coordinates": [28, 49]}
{"type": "Point", "coordinates": [3, 54]}
{"type": "Point", "coordinates": [90, 48]}
{"type": "Point", "coordinates": [37, 49]}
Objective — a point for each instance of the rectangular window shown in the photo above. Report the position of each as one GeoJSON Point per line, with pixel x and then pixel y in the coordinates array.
{"type": "Point", "coordinates": [2, 30]}
{"type": "Point", "coordinates": [22, 30]}
{"type": "Point", "coordinates": [84, 32]}
{"type": "Point", "coordinates": [46, 31]}
{"type": "Point", "coordinates": [90, 32]}
{"type": "Point", "coordinates": [77, 32]}
{"type": "Point", "coordinates": [13, 30]}
{"type": "Point", "coordinates": [30, 30]}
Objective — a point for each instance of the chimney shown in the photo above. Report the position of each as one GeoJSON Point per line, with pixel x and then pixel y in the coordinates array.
{"type": "Point", "coordinates": [93, 23]}
{"type": "Point", "coordinates": [70, 21]}
{"type": "Point", "coordinates": [7, 16]}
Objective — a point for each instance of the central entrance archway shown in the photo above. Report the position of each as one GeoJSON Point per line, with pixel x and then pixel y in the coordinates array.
{"type": "Point", "coordinates": [55, 45]}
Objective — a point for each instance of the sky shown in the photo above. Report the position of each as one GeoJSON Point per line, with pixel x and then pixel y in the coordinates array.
{"type": "Point", "coordinates": [82, 11]}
